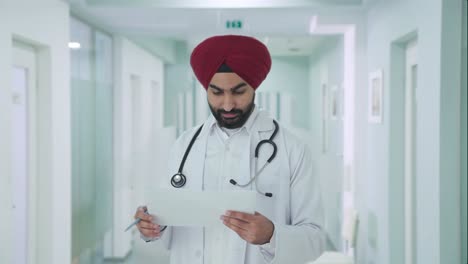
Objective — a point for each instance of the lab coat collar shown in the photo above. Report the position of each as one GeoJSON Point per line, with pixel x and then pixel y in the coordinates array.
{"type": "Point", "coordinates": [264, 122]}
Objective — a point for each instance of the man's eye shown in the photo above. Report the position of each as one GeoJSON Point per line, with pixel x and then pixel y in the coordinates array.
{"type": "Point", "coordinates": [238, 92]}
{"type": "Point", "coordinates": [217, 92]}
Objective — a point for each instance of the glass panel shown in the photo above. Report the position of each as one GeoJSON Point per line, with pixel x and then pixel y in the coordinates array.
{"type": "Point", "coordinates": [103, 135]}
{"type": "Point", "coordinates": [92, 140]}
{"type": "Point", "coordinates": [81, 58]}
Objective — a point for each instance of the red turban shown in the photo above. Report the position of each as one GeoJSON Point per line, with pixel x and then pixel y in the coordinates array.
{"type": "Point", "coordinates": [246, 56]}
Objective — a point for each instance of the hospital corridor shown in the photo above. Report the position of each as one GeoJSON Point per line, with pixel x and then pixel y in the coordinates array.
{"type": "Point", "coordinates": [369, 106]}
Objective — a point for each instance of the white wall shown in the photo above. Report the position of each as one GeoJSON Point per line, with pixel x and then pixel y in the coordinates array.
{"type": "Point", "coordinates": [438, 225]}
{"type": "Point", "coordinates": [165, 49]}
{"type": "Point", "coordinates": [450, 144]}
{"type": "Point", "coordinates": [46, 27]}
{"type": "Point", "coordinates": [289, 75]}
{"type": "Point", "coordinates": [151, 144]}
{"type": "Point", "coordinates": [463, 135]}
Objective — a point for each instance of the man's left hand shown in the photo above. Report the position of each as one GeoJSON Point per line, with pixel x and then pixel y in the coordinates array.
{"type": "Point", "coordinates": [253, 228]}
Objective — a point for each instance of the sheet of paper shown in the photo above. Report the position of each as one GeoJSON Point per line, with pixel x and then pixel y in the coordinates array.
{"type": "Point", "coordinates": [196, 208]}
{"type": "Point", "coordinates": [329, 257]}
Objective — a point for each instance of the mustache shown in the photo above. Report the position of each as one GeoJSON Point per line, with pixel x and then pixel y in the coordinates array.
{"type": "Point", "coordinates": [233, 111]}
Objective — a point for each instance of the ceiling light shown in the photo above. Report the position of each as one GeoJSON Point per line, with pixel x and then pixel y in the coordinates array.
{"type": "Point", "coordinates": [74, 45]}
{"type": "Point", "coordinates": [313, 24]}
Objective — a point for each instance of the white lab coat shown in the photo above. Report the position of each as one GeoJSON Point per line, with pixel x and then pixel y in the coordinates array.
{"type": "Point", "coordinates": [295, 208]}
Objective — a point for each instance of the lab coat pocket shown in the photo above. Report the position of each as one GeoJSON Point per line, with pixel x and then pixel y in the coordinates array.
{"type": "Point", "coordinates": [271, 181]}
{"type": "Point", "coordinates": [268, 182]}
{"type": "Point", "coordinates": [265, 204]}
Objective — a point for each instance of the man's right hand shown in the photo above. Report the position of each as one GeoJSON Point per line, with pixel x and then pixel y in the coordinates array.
{"type": "Point", "coordinates": [146, 227]}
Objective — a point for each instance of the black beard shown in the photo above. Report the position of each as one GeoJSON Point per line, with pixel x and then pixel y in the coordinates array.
{"type": "Point", "coordinates": [236, 122]}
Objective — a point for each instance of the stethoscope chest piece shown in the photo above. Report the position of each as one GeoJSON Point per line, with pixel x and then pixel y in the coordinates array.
{"type": "Point", "coordinates": [178, 180]}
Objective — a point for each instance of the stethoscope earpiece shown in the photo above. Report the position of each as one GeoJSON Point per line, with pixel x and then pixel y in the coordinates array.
{"type": "Point", "coordinates": [233, 182]}
{"type": "Point", "coordinates": [268, 194]}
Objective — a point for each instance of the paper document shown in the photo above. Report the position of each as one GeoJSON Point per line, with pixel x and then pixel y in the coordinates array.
{"type": "Point", "coordinates": [196, 208]}
{"type": "Point", "coordinates": [329, 257]}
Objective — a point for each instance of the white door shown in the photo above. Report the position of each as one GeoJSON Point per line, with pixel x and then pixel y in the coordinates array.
{"type": "Point", "coordinates": [23, 133]}
{"type": "Point", "coordinates": [410, 150]}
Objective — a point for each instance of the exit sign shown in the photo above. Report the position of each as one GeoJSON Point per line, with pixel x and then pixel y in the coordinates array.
{"type": "Point", "coordinates": [236, 24]}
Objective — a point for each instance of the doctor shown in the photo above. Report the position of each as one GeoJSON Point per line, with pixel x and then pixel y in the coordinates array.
{"type": "Point", "coordinates": [287, 228]}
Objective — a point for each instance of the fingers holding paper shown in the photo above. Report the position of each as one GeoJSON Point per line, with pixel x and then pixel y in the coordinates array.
{"type": "Point", "coordinates": [253, 228]}
{"type": "Point", "coordinates": [146, 226]}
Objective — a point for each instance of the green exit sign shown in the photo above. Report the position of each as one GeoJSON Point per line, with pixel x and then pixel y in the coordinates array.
{"type": "Point", "coordinates": [237, 24]}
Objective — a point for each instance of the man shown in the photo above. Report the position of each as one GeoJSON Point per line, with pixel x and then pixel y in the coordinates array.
{"type": "Point", "coordinates": [287, 225]}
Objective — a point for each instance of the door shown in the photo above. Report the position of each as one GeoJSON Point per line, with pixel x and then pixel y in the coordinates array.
{"type": "Point", "coordinates": [410, 151]}
{"type": "Point", "coordinates": [23, 134]}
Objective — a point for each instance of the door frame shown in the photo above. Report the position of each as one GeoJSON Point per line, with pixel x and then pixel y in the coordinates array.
{"type": "Point", "coordinates": [410, 151]}
{"type": "Point", "coordinates": [396, 168]}
{"type": "Point", "coordinates": [22, 58]}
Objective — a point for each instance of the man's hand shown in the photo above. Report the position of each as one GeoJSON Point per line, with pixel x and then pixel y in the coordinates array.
{"type": "Point", "coordinates": [253, 228]}
{"type": "Point", "coordinates": [146, 226]}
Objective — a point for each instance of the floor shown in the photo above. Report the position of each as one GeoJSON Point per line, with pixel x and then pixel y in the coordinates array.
{"type": "Point", "coordinates": [152, 252]}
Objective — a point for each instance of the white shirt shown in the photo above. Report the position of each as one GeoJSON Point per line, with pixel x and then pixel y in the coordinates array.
{"type": "Point", "coordinates": [224, 151]}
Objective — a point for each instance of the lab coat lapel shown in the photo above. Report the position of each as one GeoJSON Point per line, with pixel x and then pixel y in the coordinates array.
{"type": "Point", "coordinates": [198, 158]}
{"type": "Point", "coordinates": [261, 129]}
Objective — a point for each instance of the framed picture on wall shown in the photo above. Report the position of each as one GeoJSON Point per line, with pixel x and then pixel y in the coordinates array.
{"type": "Point", "coordinates": [334, 102]}
{"type": "Point", "coordinates": [341, 101]}
{"type": "Point", "coordinates": [325, 107]}
{"type": "Point", "coordinates": [375, 97]}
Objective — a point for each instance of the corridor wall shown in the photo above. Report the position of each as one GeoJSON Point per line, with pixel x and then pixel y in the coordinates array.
{"type": "Point", "coordinates": [464, 135]}
{"type": "Point", "coordinates": [141, 143]}
{"type": "Point", "coordinates": [437, 210]}
{"type": "Point", "coordinates": [44, 26]}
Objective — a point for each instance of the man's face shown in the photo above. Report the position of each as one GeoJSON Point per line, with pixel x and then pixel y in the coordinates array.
{"type": "Point", "coordinates": [231, 99]}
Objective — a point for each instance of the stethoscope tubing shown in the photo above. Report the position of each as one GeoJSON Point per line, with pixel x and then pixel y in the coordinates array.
{"type": "Point", "coordinates": [178, 180]}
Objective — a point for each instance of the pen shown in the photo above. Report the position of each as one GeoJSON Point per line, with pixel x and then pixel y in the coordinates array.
{"type": "Point", "coordinates": [135, 222]}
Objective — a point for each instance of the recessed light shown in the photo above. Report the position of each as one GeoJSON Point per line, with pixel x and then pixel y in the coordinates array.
{"type": "Point", "coordinates": [74, 45]}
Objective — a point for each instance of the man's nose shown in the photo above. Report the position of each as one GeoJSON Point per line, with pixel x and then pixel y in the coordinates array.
{"type": "Point", "coordinates": [228, 103]}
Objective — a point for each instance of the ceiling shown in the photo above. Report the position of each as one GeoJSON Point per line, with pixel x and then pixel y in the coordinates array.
{"type": "Point", "coordinates": [283, 25]}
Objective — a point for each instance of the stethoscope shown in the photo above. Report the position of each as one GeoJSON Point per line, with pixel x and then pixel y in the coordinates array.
{"type": "Point", "coordinates": [178, 180]}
